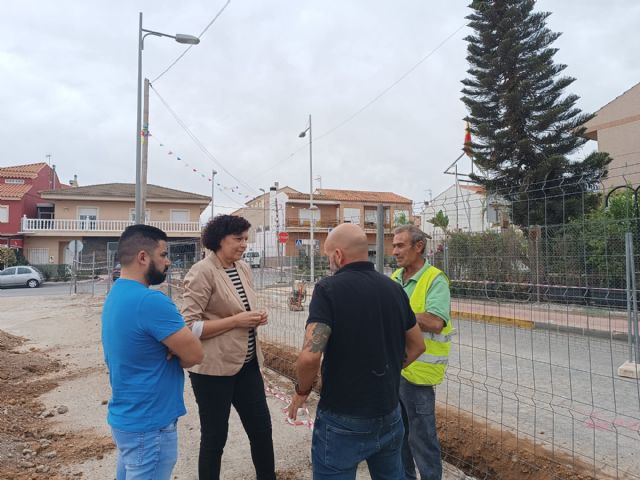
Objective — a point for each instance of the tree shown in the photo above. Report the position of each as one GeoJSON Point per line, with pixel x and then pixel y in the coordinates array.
{"type": "Point", "coordinates": [7, 257]}
{"type": "Point", "coordinates": [524, 127]}
{"type": "Point", "coordinates": [441, 221]}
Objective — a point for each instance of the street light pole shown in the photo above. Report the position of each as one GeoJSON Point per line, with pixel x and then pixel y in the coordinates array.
{"type": "Point", "coordinates": [140, 172]}
{"type": "Point", "coordinates": [312, 222]}
{"type": "Point", "coordinates": [264, 235]}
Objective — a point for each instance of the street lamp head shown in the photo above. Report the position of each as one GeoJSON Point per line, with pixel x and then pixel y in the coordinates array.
{"type": "Point", "coordinates": [188, 39]}
{"type": "Point", "coordinates": [302, 134]}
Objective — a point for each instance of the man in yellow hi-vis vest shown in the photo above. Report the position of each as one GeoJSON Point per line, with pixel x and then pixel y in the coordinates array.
{"type": "Point", "coordinates": [430, 298]}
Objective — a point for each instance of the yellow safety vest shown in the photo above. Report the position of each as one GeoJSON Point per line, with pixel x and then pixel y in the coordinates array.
{"type": "Point", "coordinates": [430, 367]}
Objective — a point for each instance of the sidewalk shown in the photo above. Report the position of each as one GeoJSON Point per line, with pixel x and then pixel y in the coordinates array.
{"type": "Point", "coordinates": [565, 318]}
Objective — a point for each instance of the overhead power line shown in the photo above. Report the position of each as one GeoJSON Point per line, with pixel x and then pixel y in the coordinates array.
{"type": "Point", "coordinates": [199, 143]}
{"type": "Point", "coordinates": [382, 93]}
{"type": "Point", "coordinates": [189, 47]}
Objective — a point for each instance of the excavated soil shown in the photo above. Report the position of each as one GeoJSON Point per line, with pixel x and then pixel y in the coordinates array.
{"type": "Point", "coordinates": [28, 448]}
{"type": "Point", "coordinates": [479, 450]}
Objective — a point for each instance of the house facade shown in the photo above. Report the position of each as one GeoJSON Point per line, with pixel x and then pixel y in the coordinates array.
{"type": "Point", "coordinates": [469, 208]}
{"type": "Point", "coordinates": [287, 210]}
{"type": "Point", "coordinates": [20, 188]}
{"type": "Point", "coordinates": [616, 128]}
{"type": "Point", "coordinates": [98, 214]}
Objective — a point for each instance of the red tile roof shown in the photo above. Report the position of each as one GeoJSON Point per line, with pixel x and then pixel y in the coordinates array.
{"type": "Point", "coordinates": [13, 192]}
{"type": "Point", "coordinates": [124, 190]}
{"type": "Point", "coordinates": [351, 196]}
{"type": "Point", "coordinates": [473, 188]}
{"type": "Point", "coordinates": [22, 171]}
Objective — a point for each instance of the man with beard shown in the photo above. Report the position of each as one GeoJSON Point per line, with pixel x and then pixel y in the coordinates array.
{"type": "Point", "coordinates": [146, 345]}
{"type": "Point", "coordinates": [363, 324]}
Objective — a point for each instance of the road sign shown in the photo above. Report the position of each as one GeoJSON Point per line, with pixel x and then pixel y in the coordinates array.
{"type": "Point", "coordinates": [283, 237]}
{"type": "Point", "coordinates": [299, 242]}
{"type": "Point", "coordinates": [75, 246]}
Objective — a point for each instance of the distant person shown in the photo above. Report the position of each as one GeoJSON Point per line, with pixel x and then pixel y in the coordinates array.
{"type": "Point", "coordinates": [220, 306]}
{"type": "Point", "coordinates": [428, 291]}
{"type": "Point", "coordinates": [146, 345]}
{"type": "Point", "coordinates": [362, 322]}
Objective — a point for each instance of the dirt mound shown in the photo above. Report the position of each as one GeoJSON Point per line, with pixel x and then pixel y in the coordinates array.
{"type": "Point", "coordinates": [28, 449]}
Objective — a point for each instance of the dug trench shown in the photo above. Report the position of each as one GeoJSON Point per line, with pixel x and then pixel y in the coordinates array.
{"type": "Point", "coordinates": [479, 450]}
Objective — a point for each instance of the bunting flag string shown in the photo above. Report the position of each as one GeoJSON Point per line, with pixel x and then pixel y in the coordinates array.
{"type": "Point", "coordinates": [234, 189]}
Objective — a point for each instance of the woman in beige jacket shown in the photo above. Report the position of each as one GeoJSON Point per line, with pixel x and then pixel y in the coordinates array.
{"type": "Point", "coordinates": [220, 307]}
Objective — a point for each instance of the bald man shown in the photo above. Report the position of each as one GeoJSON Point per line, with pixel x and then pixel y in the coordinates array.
{"type": "Point", "coordinates": [363, 324]}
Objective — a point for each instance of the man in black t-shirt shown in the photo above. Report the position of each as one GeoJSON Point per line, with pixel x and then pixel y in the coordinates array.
{"type": "Point", "coordinates": [363, 324]}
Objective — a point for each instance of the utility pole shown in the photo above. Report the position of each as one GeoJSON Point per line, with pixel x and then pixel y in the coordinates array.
{"type": "Point", "coordinates": [213, 186]}
{"type": "Point", "coordinates": [145, 156]}
{"type": "Point", "coordinates": [312, 247]}
{"type": "Point", "coordinates": [263, 257]}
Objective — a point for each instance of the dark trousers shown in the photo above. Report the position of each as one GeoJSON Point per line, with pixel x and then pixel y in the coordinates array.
{"type": "Point", "coordinates": [215, 395]}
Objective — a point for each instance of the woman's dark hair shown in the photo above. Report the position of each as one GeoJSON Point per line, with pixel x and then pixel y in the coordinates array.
{"type": "Point", "coordinates": [220, 227]}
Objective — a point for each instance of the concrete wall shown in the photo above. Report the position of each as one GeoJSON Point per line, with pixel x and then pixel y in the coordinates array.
{"type": "Point", "coordinates": [69, 210]}
{"type": "Point", "coordinates": [622, 142]}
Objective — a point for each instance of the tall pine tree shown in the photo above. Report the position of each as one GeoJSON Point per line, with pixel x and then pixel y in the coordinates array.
{"type": "Point", "coordinates": [524, 126]}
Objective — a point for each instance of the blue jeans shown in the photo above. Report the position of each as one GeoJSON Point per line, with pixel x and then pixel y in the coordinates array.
{"type": "Point", "coordinates": [420, 443]}
{"type": "Point", "coordinates": [340, 443]}
{"type": "Point", "coordinates": [146, 455]}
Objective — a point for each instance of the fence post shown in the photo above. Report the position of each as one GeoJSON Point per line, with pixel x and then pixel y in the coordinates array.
{"type": "Point", "coordinates": [380, 240]}
{"type": "Point", "coordinates": [93, 274]}
{"type": "Point", "coordinates": [535, 233]}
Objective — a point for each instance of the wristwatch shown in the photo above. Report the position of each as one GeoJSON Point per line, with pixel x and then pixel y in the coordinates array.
{"type": "Point", "coordinates": [302, 393]}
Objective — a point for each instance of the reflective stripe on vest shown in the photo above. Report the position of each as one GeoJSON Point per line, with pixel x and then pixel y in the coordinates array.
{"type": "Point", "coordinates": [430, 367]}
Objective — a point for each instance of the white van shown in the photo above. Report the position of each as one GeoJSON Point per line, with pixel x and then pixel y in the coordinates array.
{"type": "Point", "coordinates": [252, 258]}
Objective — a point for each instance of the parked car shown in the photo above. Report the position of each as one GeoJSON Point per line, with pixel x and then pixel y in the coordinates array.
{"type": "Point", "coordinates": [115, 273]}
{"type": "Point", "coordinates": [252, 258]}
{"type": "Point", "coordinates": [22, 276]}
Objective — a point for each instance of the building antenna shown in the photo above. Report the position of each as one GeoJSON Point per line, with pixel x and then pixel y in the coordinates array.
{"type": "Point", "coordinates": [48, 155]}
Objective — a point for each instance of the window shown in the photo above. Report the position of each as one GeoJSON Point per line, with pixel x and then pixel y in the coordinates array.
{"type": "Point", "coordinates": [401, 217]}
{"type": "Point", "coordinates": [305, 216]}
{"type": "Point", "coordinates": [352, 215]}
{"type": "Point", "coordinates": [180, 216]}
{"type": "Point", "coordinates": [370, 217]}
{"type": "Point", "coordinates": [24, 271]}
{"type": "Point", "coordinates": [14, 181]}
{"type": "Point", "coordinates": [132, 215]}
{"type": "Point", "coordinates": [8, 271]}
{"type": "Point", "coordinates": [88, 217]}
{"type": "Point", "coordinates": [4, 214]}
{"type": "Point", "coordinates": [38, 256]}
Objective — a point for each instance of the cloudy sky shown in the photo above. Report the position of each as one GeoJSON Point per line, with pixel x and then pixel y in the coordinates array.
{"type": "Point", "coordinates": [68, 72]}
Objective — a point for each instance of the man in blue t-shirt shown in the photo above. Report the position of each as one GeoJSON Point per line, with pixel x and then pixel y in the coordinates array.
{"type": "Point", "coordinates": [146, 345]}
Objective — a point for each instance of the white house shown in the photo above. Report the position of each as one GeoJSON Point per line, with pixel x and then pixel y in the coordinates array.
{"type": "Point", "coordinates": [469, 208]}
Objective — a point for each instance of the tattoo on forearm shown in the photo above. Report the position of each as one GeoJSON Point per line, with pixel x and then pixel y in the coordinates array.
{"type": "Point", "coordinates": [318, 339]}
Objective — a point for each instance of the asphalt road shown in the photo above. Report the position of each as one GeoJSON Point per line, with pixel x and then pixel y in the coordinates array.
{"type": "Point", "coordinates": [55, 288]}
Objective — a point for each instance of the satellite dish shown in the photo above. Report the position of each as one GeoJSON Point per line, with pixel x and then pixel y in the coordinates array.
{"type": "Point", "coordinates": [75, 246]}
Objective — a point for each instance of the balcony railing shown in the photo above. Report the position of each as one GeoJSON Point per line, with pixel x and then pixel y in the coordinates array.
{"type": "Point", "coordinates": [293, 223]}
{"type": "Point", "coordinates": [35, 225]}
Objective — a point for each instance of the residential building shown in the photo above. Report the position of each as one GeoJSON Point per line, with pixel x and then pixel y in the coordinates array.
{"type": "Point", "coordinates": [98, 214]}
{"type": "Point", "coordinates": [20, 187]}
{"type": "Point", "coordinates": [616, 128]}
{"type": "Point", "coordinates": [469, 208]}
{"type": "Point", "coordinates": [287, 210]}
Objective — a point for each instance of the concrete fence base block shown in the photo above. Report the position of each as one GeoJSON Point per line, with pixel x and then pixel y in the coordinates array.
{"type": "Point", "coordinates": [629, 369]}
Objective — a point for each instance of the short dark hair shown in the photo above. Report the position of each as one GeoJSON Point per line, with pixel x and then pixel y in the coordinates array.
{"type": "Point", "coordinates": [221, 226]}
{"type": "Point", "coordinates": [136, 238]}
{"type": "Point", "coordinates": [415, 234]}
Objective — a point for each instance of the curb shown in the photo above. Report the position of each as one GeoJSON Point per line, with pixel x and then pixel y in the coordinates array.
{"type": "Point", "coordinates": [514, 322]}
{"type": "Point", "coordinates": [531, 325]}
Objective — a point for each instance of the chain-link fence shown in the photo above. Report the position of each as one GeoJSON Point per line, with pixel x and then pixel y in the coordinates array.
{"type": "Point", "coordinates": [541, 381]}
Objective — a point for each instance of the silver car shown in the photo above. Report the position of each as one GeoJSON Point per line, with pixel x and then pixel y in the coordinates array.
{"type": "Point", "coordinates": [21, 276]}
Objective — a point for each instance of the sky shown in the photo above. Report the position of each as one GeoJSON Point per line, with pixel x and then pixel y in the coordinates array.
{"type": "Point", "coordinates": [381, 80]}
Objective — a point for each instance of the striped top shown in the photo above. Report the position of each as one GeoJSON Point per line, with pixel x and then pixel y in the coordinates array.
{"type": "Point", "coordinates": [237, 283]}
